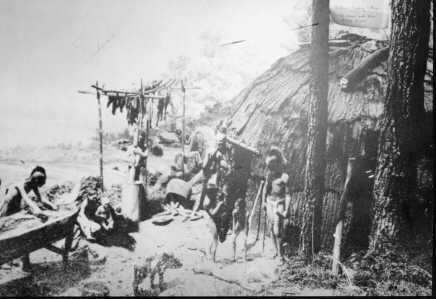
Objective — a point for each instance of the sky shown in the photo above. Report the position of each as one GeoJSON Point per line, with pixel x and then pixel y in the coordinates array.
{"type": "Point", "coordinates": [50, 49]}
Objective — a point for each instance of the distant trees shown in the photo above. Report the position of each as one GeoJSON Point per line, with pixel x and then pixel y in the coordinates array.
{"type": "Point", "coordinates": [317, 132]}
{"type": "Point", "coordinates": [395, 186]}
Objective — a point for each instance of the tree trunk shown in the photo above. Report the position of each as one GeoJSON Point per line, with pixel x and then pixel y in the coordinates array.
{"type": "Point", "coordinates": [317, 132]}
{"type": "Point", "coordinates": [401, 125]}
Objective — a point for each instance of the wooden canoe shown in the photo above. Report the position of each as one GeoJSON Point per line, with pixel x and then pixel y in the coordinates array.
{"type": "Point", "coordinates": [18, 242]}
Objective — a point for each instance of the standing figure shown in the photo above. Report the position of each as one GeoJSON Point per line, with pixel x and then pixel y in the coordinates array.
{"type": "Point", "coordinates": [135, 189]}
{"type": "Point", "coordinates": [276, 197]}
{"type": "Point", "coordinates": [214, 196]}
{"type": "Point", "coordinates": [215, 168]}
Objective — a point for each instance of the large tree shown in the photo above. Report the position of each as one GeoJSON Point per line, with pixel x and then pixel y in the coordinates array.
{"type": "Point", "coordinates": [317, 131]}
{"type": "Point", "coordinates": [395, 185]}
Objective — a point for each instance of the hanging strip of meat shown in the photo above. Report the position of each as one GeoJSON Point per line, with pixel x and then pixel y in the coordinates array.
{"type": "Point", "coordinates": [166, 103]}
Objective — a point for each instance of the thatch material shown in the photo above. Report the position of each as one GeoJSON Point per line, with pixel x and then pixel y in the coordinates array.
{"type": "Point", "coordinates": [273, 111]}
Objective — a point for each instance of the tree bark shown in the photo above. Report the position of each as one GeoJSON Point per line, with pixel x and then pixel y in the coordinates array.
{"type": "Point", "coordinates": [402, 122]}
{"type": "Point", "coordinates": [317, 132]}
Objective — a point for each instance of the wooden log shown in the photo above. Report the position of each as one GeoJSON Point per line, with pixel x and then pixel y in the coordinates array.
{"type": "Point", "coordinates": [339, 226]}
{"type": "Point", "coordinates": [337, 247]}
{"type": "Point", "coordinates": [250, 220]}
{"type": "Point", "coordinates": [260, 212]}
{"type": "Point", "coordinates": [350, 80]}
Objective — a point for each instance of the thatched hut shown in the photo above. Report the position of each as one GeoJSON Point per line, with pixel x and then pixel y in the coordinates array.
{"type": "Point", "coordinates": [273, 111]}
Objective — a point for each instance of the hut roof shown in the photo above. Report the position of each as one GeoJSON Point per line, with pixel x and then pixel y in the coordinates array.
{"type": "Point", "coordinates": [286, 85]}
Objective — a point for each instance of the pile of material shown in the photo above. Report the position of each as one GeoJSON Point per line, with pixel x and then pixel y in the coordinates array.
{"type": "Point", "coordinates": [57, 190]}
{"type": "Point", "coordinates": [173, 210]}
{"type": "Point", "coordinates": [168, 138]}
{"type": "Point", "coordinates": [89, 189]}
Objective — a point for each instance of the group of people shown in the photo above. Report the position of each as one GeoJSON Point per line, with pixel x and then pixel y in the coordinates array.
{"type": "Point", "coordinates": [229, 212]}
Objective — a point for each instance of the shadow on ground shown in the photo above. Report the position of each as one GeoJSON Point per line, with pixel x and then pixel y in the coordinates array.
{"type": "Point", "coordinates": [50, 278]}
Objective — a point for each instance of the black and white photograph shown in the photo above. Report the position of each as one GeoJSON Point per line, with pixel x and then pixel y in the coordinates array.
{"type": "Point", "coordinates": [216, 148]}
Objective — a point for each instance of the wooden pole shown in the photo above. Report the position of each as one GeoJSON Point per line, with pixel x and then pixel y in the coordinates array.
{"type": "Point", "coordinates": [100, 131]}
{"type": "Point", "coordinates": [250, 218]}
{"type": "Point", "coordinates": [147, 132]}
{"type": "Point", "coordinates": [337, 246]}
{"type": "Point", "coordinates": [342, 206]}
{"type": "Point", "coordinates": [264, 232]}
{"type": "Point", "coordinates": [183, 129]}
{"type": "Point", "coordinates": [141, 111]}
{"type": "Point", "coordinates": [259, 195]}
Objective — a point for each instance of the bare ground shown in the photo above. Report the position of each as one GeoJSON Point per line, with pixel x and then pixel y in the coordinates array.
{"type": "Point", "coordinates": [114, 265]}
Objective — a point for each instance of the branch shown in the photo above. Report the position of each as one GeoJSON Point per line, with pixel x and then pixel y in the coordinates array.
{"type": "Point", "coordinates": [231, 281]}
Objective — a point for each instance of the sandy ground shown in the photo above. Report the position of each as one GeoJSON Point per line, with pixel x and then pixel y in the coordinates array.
{"type": "Point", "coordinates": [114, 265]}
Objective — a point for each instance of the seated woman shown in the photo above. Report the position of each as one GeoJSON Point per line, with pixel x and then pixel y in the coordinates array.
{"type": "Point", "coordinates": [96, 219]}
